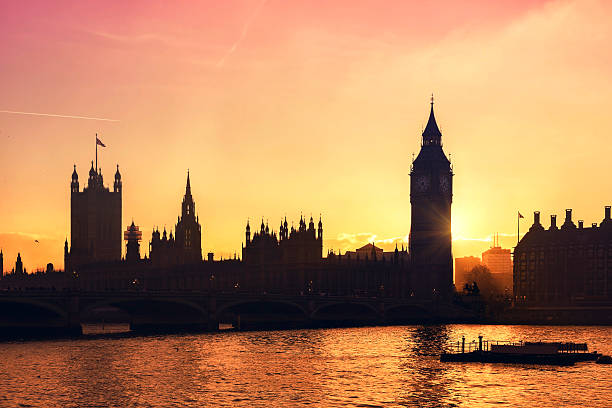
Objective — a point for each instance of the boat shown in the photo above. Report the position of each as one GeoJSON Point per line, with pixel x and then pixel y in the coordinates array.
{"type": "Point", "coordinates": [546, 353]}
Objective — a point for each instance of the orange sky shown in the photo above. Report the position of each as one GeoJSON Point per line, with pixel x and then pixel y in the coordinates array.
{"type": "Point", "coordinates": [283, 107]}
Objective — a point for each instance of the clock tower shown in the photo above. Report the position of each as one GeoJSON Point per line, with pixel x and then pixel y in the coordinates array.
{"type": "Point", "coordinates": [431, 193]}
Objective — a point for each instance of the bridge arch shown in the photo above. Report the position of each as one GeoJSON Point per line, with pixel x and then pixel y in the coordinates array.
{"type": "Point", "coordinates": [154, 307]}
{"type": "Point", "coordinates": [262, 305]}
{"type": "Point", "coordinates": [346, 310]}
{"type": "Point", "coordinates": [30, 309]}
{"type": "Point", "coordinates": [407, 312]}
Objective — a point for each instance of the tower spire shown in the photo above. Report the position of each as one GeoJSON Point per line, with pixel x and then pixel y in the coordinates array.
{"type": "Point", "coordinates": [431, 134]}
{"type": "Point", "coordinates": [188, 186]}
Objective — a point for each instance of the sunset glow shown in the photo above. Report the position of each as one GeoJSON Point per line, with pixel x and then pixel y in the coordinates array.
{"type": "Point", "coordinates": [286, 108]}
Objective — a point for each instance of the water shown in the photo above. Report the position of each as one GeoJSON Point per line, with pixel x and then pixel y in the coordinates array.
{"type": "Point", "coordinates": [355, 367]}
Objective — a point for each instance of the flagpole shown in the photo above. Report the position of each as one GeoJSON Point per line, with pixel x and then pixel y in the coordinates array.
{"type": "Point", "coordinates": [96, 153]}
{"type": "Point", "coordinates": [518, 227]}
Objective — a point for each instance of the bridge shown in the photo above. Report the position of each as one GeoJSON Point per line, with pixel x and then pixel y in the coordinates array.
{"type": "Point", "coordinates": [63, 312]}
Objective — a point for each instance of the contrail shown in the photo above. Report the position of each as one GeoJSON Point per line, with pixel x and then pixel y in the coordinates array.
{"type": "Point", "coordinates": [58, 116]}
{"type": "Point", "coordinates": [243, 34]}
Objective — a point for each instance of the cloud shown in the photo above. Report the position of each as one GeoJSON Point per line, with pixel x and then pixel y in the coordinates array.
{"type": "Point", "coordinates": [54, 115]}
{"type": "Point", "coordinates": [167, 40]}
{"type": "Point", "coordinates": [28, 235]}
{"type": "Point", "coordinates": [243, 34]}
{"type": "Point", "coordinates": [488, 238]}
{"type": "Point", "coordinates": [346, 241]}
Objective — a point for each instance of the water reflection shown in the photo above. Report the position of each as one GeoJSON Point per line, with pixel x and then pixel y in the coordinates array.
{"type": "Point", "coordinates": [429, 340]}
{"type": "Point", "coordinates": [376, 366]}
{"type": "Point", "coordinates": [424, 381]}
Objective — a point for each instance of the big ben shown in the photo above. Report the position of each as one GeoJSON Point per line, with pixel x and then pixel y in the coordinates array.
{"type": "Point", "coordinates": [431, 193]}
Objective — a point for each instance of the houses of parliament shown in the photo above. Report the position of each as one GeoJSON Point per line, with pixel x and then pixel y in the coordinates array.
{"type": "Point", "coordinates": [289, 260]}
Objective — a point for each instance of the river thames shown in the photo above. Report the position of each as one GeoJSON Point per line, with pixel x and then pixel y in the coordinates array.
{"type": "Point", "coordinates": [352, 367]}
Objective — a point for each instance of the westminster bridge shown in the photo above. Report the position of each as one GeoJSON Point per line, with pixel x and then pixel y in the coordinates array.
{"type": "Point", "coordinates": [63, 312]}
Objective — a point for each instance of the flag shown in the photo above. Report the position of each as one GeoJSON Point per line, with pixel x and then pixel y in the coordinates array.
{"type": "Point", "coordinates": [99, 142]}
{"type": "Point", "coordinates": [520, 215]}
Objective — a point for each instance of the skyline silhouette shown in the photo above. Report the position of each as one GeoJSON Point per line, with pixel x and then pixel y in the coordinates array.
{"type": "Point", "coordinates": [332, 120]}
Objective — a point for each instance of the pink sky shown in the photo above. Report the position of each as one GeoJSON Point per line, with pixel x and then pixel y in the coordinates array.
{"type": "Point", "coordinates": [282, 107]}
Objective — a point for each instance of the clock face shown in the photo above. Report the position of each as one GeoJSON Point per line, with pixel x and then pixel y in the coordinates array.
{"type": "Point", "coordinates": [444, 183]}
{"type": "Point", "coordinates": [422, 183]}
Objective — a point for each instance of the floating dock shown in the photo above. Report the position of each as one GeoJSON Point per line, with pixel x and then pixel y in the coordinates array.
{"type": "Point", "coordinates": [545, 353]}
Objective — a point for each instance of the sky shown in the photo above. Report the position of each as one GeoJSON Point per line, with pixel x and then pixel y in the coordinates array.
{"type": "Point", "coordinates": [302, 107]}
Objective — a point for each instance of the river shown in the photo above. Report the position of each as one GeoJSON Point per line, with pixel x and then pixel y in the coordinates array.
{"type": "Point", "coordinates": [351, 367]}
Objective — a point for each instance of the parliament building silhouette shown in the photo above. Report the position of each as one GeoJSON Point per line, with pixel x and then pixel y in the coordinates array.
{"type": "Point", "coordinates": [289, 260]}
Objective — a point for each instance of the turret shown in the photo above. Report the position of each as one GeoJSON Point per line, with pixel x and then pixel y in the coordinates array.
{"type": "Point", "coordinates": [132, 236]}
{"type": "Point", "coordinates": [536, 222]}
{"type": "Point", "coordinates": [568, 223]}
{"type": "Point", "coordinates": [74, 183]}
{"type": "Point", "coordinates": [302, 224]}
{"type": "Point", "coordinates": [19, 265]}
{"type": "Point", "coordinates": [286, 228]}
{"type": "Point", "coordinates": [67, 267]}
{"type": "Point", "coordinates": [320, 229]}
{"type": "Point", "coordinates": [117, 185]}
{"type": "Point", "coordinates": [553, 222]}
{"type": "Point", "coordinates": [92, 182]}
{"type": "Point", "coordinates": [248, 233]}
{"type": "Point", "coordinates": [606, 221]}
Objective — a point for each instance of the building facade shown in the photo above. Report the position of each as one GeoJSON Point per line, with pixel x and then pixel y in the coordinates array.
{"type": "Point", "coordinates": [95, 221]}
{"type": "Point", "coordinates": [431, 192]}
{"type": "Point", "coordinates": [570, 265]}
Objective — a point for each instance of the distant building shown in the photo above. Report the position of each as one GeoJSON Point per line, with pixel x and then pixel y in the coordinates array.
{"type": "Point", "coordinates": [1, 264]}
{"type": "Point", "coordinates": [186, 246]}
{"type": "Point", "coordinates": [95, 221]}
{"type": "Point", "coordinates": [463, 266]}
{"type": "Point", "coordinates": [369, 251]}
{"type": "Point", "coordinates": [571, 265]}
{"type": "Point", "coordinates": [499, 262]}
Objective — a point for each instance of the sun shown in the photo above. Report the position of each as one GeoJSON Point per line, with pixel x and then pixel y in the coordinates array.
{"type": "Point", "coordinates": [457, 226]}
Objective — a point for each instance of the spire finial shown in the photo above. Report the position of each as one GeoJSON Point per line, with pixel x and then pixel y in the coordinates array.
{"type": "Point", "coordinates": [431, 133]}
{"type": "Point", "coordinates": [188, 186]}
